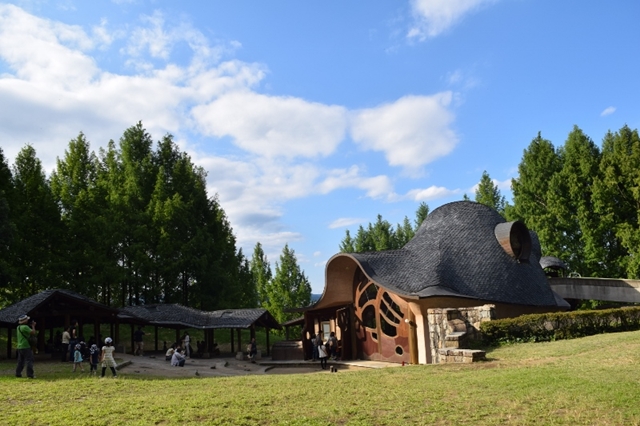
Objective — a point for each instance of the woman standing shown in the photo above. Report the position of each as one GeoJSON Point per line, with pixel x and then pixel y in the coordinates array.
{"type": "Point", "coordinates": [65, 343]}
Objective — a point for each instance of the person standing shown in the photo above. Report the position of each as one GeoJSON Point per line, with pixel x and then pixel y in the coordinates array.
{"type": "Point", "coordinates": [65, 343]}
{"type": "Point", "coordinates": [107, 357]}
{"type": "Point", "coordinates": [25, 355]}
{"type": "Point", "coordinates": [187, 346]}
{"type": "Point", "coordinates": [314, 347]}
{"type": "Point", "coordinates": [322, 354]}
{"type": "Point", "coordinates": [77, 358]}
{"type": "Point", "coordinates": [73, 339]}
{"type": "Point", "coordinates": [253, 350]}
{"type": "Point", "coordinates": [332, 343]}
{"type": "Point", "coordinates": [138, 338]}
{"type": "Point", "coordinates": [94, 356]}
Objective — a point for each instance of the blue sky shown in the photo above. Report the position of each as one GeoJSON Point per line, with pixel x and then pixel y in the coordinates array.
{"type": "Point", "coordinates": [313, 117]}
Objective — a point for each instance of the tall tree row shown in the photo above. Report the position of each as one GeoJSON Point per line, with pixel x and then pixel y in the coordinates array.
{"type": "Point", "coordinates": [583, 201]}
{"type": "Point", "coordinates": [129, 226]}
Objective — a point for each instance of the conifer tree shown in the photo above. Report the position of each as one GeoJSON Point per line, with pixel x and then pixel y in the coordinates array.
{"type": "Point", "coordinates": [488, 194]}
{"type": "Point", "coordinates": [289, 287]}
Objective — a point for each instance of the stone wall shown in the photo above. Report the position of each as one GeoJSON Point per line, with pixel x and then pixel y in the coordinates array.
{"type": "Point", "coordinates": [455, 328]}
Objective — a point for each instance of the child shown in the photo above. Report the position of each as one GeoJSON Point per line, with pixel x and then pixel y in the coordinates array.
{"type": "Point", "coordinates": [170, 351]}
{"type": "Point", "coordinates": [107, 357]}
{"type": "Point", "coordinates": [94, 354]}
{"type": "Point", "coordinates": [322, 354]}
{"type": "Point", "coordinates": [77, 358]}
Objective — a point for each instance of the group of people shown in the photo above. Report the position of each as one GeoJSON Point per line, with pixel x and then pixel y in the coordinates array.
{"type": "Point", "coordinates": [176, 355]}
{"type": "Point", "coordinates": [77, 348]}
{"type": "Point", "coordinates": [324, 350]}
{"type": "Point", "coordinates": [179, 352]}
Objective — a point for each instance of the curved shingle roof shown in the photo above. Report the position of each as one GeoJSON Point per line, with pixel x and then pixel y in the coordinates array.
{"type": "Point", "coordinates": [455, 252]}
{"type": "Point", "coordinates": [553, 263]}
{"type": "Point", "coordinates": [177, 315]}
{"type": "Point", "coordinates": [10, 314]}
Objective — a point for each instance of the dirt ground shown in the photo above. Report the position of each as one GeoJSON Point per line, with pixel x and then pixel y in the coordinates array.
{"type": "Point", "coordinates": [215, 367]}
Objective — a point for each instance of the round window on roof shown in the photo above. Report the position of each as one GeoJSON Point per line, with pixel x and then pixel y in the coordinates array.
{"type": "Point", "coordinates": [515, 239]}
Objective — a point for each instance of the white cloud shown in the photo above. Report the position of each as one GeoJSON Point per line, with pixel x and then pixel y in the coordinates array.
{"type": "Point", "coordinates": [54, 88]}
{"type": "Point", "coordinates": [274, 126]}
{"type": "Point", "coordinates": [433, 17]}
{"type": "Point", "coordinates": [343, 222]}
{"type": "Point", "coordinates": [412, 132]}
{"type": "Point", "coordinates": [431, 193]}
{"type": "Point", "coordinates": [608, 111]}
{"type": "Point", "coordinates": [320, 264]}
{"type": "Point", "coordinates": [376, 187]}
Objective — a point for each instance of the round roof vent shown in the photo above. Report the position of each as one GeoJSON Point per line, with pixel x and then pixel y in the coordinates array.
{"type": "Point", "coordinates": [515, 239]}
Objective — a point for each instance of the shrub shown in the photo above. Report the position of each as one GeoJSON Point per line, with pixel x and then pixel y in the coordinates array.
{"type": "Point", "coordinates": [559, 325]}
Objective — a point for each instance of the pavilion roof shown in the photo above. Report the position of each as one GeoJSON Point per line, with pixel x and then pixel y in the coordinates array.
{"type": "Point", "coordinates": [171, 315]}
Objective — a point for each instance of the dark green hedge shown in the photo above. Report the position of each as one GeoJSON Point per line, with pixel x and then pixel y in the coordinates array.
{"type": "Point", "coordinates": [559, 325]}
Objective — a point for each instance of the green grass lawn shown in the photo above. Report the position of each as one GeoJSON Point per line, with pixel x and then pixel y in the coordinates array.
{"type": "Point", "coordinates": [593, 380]}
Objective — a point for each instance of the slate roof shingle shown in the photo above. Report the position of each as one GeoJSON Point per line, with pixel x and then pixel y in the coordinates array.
{"type": "Point", "coordinates": [176, 314]}
{"type": "Point", "coordinates": [168, 315]}
{"type": "Point", "coordinates": [455, 253]}
{"type": "Point", "coordinates": [9, 315]}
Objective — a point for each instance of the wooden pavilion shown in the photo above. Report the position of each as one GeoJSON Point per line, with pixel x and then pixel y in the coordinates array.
{"type": "Point", "coordinates": [57, 308]}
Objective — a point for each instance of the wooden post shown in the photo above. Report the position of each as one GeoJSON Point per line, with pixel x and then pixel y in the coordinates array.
{"type": "Point", "coordinates": [117, 332]}
{"type": "Point", "coordinates": [352, 331]}
{"type": "Point", "coordinates": [413, 338]}
{"type": "Point", "coordinates": [156, 336]}
{"type": "Point", "coordinates": [232, 348]}
{"type": "Point", "coordinates": [96, 332]}
{"type": "Point", "coordinates": [267, 330]}
{"type": "Point", "coordinates": [239, 331]}
{"type": "Point", "coordinates": [178, 337]}
{"type": "Point", "coordinates": [133, 348]}
{"type": "Point", "coordinates": [9, 343]}
{"type": "Point", "coordinates": [40, 328]}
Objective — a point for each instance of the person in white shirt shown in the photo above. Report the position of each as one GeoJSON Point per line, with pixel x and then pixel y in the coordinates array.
{"type": "Point", "coordinates": [178, 359]}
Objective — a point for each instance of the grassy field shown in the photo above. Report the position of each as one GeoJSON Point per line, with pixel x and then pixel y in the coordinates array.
{"type": "Point", "coordinates": [594, 380]}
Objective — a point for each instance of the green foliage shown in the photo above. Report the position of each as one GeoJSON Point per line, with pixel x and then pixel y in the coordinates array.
{"type": "Point", "coordinates": [531, 194]}
{"type": "Point", "coordinates": [488, 194]}
{"type": "Point", "coordinates": [35, 251]}
{"type": "Point", "coordinates": [421, 214]}
{"type": "Point", "coordinates": [289, 288]}
{"type": "Point", "coordinates": [617, 201]}
{"type": "Point", "coordinates": [583, 202]}
{"type": "Point", "coordinates": [381, 235]}
{"type": "Point", "coordinates": [261, 273]}
{"type": "Point", "coordinates": [133, 225]}
{"type": "Point", "coordinates": [559, 325]}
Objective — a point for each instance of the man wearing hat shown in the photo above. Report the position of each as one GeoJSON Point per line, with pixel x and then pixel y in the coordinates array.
{"type": "Point", "coordinates": [25, 329]}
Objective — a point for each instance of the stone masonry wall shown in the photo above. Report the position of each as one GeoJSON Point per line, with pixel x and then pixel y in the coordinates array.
{"type": "Point", "coordinates": [455, 328]}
